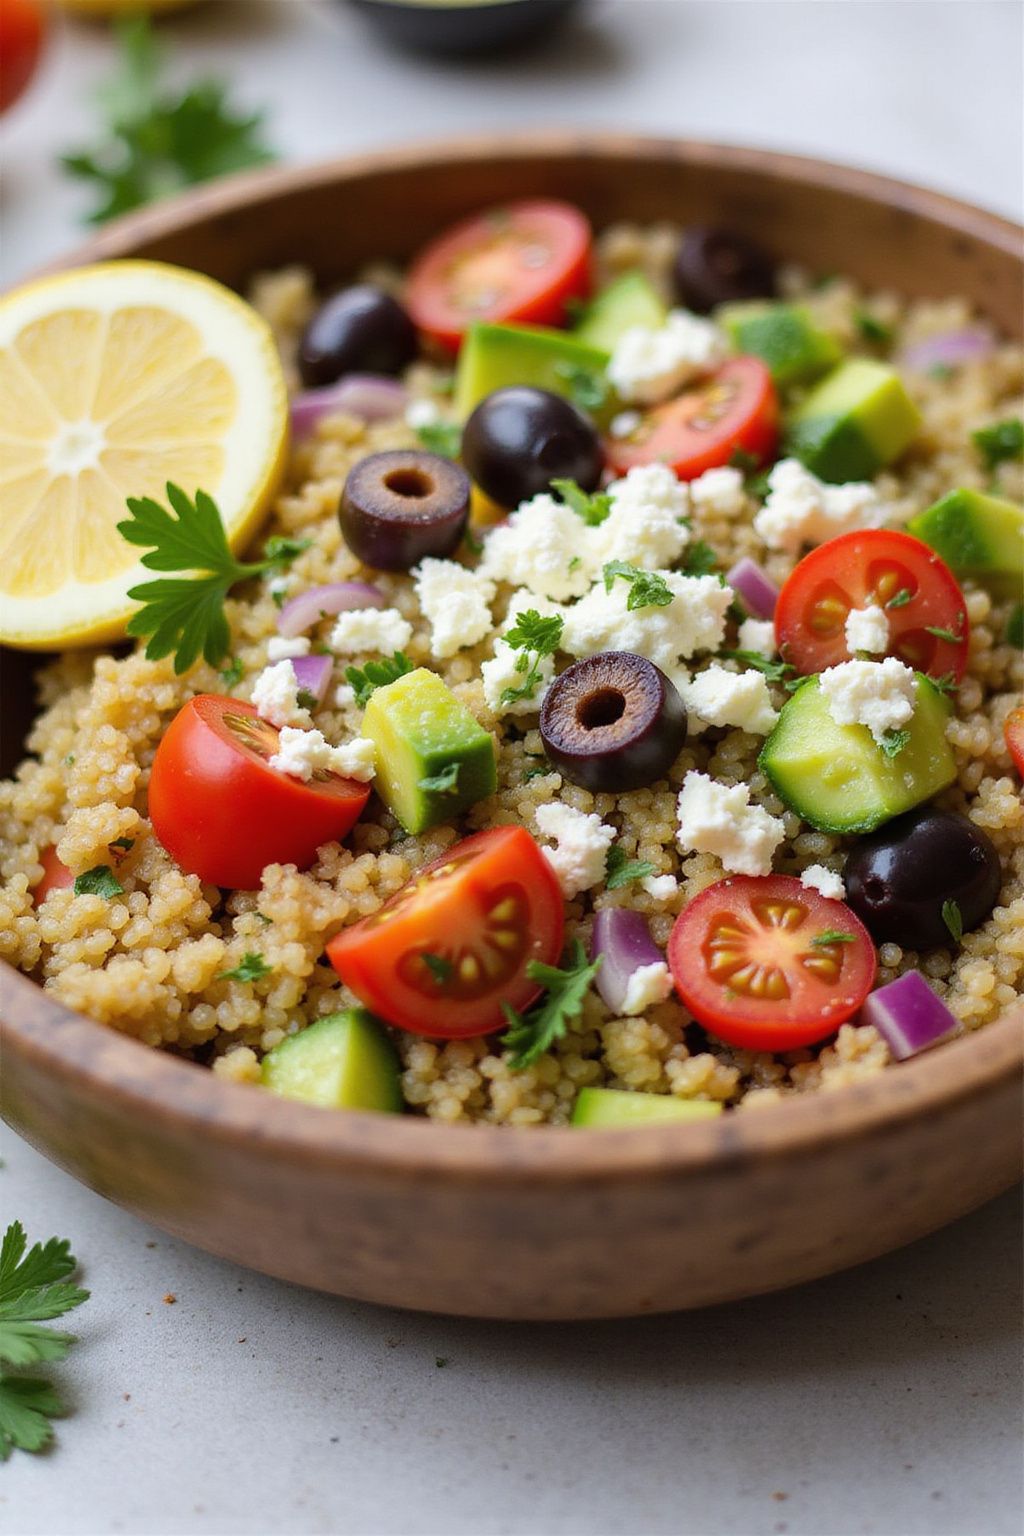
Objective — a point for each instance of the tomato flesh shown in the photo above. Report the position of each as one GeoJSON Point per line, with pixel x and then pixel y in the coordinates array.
{"type": "Point", "coordinates": [22, 30]}
{"type": "Point", "coordinates": [753, 960]}
{"type": "Point", "coordinates": [56, 876]}
{"type": "Point", "coordinates": [223, 813]}
{"type": "Point", "coordinates": [522, 263]}
{"type": "Point", "coordinates": [924, 606]}
{"type": "Point", "coordinates": [453, 944]}
{"type": "Point", "coordinates": [1013, 730]}
{"type": "Point", "coordinates": [735, 410]}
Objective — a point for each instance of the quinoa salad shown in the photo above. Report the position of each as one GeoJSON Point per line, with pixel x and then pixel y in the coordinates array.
{"type": "Point", "coordinates": [575, 680]}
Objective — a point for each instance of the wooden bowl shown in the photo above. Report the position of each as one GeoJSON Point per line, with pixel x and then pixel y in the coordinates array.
{"type": "Point", "coordinates": [546, 1223]}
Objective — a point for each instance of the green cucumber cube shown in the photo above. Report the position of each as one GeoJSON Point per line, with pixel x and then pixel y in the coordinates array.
{"type": "Point", "coordinates": [977, 535]}
{"type": "Point", "coordinates": [854, 423]}
{"type": "Point", "coordinates": [343, 1061]}
{"type": "Point", "coordinates": [629, 300]}
{"type": "Point", "coordinates": [497, 356]}
{"type": "Point", "coordinates": [783, 336]}
{"type": "Point", "coordinates": [611, 1108]}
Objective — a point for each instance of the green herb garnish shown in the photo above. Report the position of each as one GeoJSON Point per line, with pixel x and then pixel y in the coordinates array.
{"type": "Point", "coordinates": [437, 965]}
{"type": "Point", "coordinates": [34, 1289]}
{"type": "Point", "coordinates": [1002, 441]}
{"type": "Point", "coordinates": [443, 437]}
{"type": "Point", "coordinates": [945, 634]}
{"type": "Point", "coordinates": [832, 936]}
{"type": "Point", "coordinates": [647, 589]}
{"type": "Point", "coordinates": [444, 783]}
{"type": "Point", "coordinates": [472, 543]}
{"type": "Point", "coordinates": [699, 560]}
{"type": "Point", "coordinates": [306, 700]}
{"type": "Point", "coordinates": [99, 881]}
{"type": "Point", "coordinates": [620, 869]}
{"type": "Point", "coordinates": [946, 684]}
{"type": "Point", "coordinates": [953, 919]}
{"type": "Point", "coordinates": [872, 329]}
{"type": "Point", "coordinates": [901, 598]}
{"type": "Point", "coordinates": [529, 1035]}
{"type": "Point", "coordinates": [536, 773]}
{"type": "Point", "coordinates": [592, 507]}
{"type": "Point", "coordinates": [940, 370]}
{"type": "Point", "coordinates": [252, 968]}
{"type": "Point", "coordinates": [586, 389]}
{"type": "Point", "coordinates": [534, 637]}
{"type": "Point", "coordinates": [232, 674]}
{"type": "Point", "coordinates": [279, 552]}
{"type": "Point", "coordinates": [774, 671]}
{"type": "Point", "coordinates": [376, 674]}
{"type": "Point", "coordinates": [893, 741]}
{"type": "Point", "coordinates": [745, 462]}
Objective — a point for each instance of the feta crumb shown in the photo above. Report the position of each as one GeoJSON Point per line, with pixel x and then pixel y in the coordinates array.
{"type": "Point", "coordinates": [303, 753]}
{"type": "Point", "coordinates": [455, 602]}
{"type": "Point", "coordinates": [276, 696]}
{"type": "Point", "coordinates": [649, 984]}
{"type": "Point", "coordinates": [540, 547]}
{"type": "Point", "coordinates": [501, 672]}
{"type": "Point", "coordinates": [356, 759]}
{"type": "Point", "coordinates": [719, 490]}
{"type": "Point", "coordinates": [661, 887]}
{"type": "Point", "coordinates": [381, 630]}
{"type": "Point", "coordinates": [719, 819]}
{"type": "Point", "coordinates": [693, 621]}
{"type": "Point", "coordinates": [758, 636]}
{"type": "Point", "coordinates": [624, 424]}
{"type": "Point", "coordinates": [582, 844]}
{"type": "Point", "coordinates": [422, 413]}
{"type": "Point", "coordinates": [878, 694]}
{"type": "Point", "coordinates": [721, 697]}
{"type": "Point", "coordinates": [646, 525]}
{"type": "Point", "coordinates": [801, 509]}
{"type": "Point", "coordinates": [344, 696]}
{"type": "Point", "coordinates": [648, 364]}
{"type": "Point", "coordinates": [867, 629]}
{"type": "Point", "coordinates": [281, 585]}
{"type": "Point", "coordinates": [279, 648]}
{"type": "Point", "coordinates": [817, 878]}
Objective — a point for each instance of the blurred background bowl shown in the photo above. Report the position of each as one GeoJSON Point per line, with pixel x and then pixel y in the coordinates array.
{"type": "Point", "coordinates": [456, 28]}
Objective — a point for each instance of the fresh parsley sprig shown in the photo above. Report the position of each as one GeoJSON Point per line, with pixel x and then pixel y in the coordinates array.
{"type": "Point", "coordinates": [893, 741]}
{"type": "Point", "coordinates": [620, 869]}
{"type": "Point", "coordinates": [699, 560]}
{"type": "Point", "coordinates": [34, 1289]}
{"type": "Point", "coordinates": [774, 671]}
{"type": "Point", "coordinates": [377, 674]}
{"type": "Point", "coordinates": [534, 636]}
{"type": "Point", "coordinates": [593, 507]}
{"type": "Point", "coordinates": [443, 437]}
{"type": "Point", "coordinates": [1003, 440]}
{"type": "Point", "coordinates": [98, 881]}
{"type": "Point", "coordinates": [529, 1035]}
{"type": "Point", "coordinates": [252, 968]}
{"type": "Point", "coordinates": [647, 589]}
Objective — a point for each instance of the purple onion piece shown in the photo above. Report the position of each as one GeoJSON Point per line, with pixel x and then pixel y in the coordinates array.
{"type": "Point", "coordinates": [371, 396]}
{"type": "Point", "coordinates": [947, 350]}
{"type": "Point", "coordinates": [622, 939]}
{"type": "Point", "coordinates": [314, 674]}
{"type": "Point", "coordinates": [754, 587]}
{"type": "Point", "coordinates": [301, 612]}
{"type": "Point", "coordinates": [908, 1015]}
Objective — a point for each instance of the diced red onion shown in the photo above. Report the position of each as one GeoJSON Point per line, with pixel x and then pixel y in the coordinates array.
{"type": "Point", "coordinates": [908, 1015]}
{"type": "Point", "coordinates": [314, 674]}
{"type": "Point", "coordinates": [754, 587]}
{"type": "Point", "coordinates": [622, 939]}
{"type": "Point", "coordinates": [371, 396]}
{"type": "Point", "coordinates": [947, 350]}
{"type": "Point", "coordinates": [303, 610]}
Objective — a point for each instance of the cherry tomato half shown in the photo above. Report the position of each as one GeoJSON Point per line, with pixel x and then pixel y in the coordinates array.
{"type": "Point", "coordinates": [928, 628]}
{"type": "Point", "coordinates": [1013, 730]}
{"type": "Point", "coordinates": [452, 945]}
{"type": "Point", "coordinates": [763, 962]}
{"type": "Point", "coordinates": [523, 262]}
{"type": "Point", "coordinates": [736, 408]}
{"type": "Point", "coordinates": [223, 813]}
{"type": "Point", "coordinates": [22, 31]}
{"type": "Point", "coordinates": [56, 876]}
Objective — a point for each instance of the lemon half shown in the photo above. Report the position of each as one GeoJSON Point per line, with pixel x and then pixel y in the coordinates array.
{"type": "Point", "coordinates": [115, 379]}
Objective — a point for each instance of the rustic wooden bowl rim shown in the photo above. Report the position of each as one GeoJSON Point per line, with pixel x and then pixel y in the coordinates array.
{"type": "Point", "coordinates": [187, 1099]}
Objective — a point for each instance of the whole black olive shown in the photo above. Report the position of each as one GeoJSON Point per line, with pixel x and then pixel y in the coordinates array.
{"type": "Point", "coordinates": [899, 878]}
{"type": "Point", "coordinates": [613, 722]}
{"type": "Point", "coordinates": [716, 267]}
{"type": "Point", "coordinates": [520, 439]}
{"type": "Point", "coordinates": [398, 507]}
{"type": "Point", "coordinates": [359, 330]}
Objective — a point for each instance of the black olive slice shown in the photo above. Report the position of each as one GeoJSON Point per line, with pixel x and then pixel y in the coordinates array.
{"type": "Point", "coordinates": [399, 507]}
{"type": "Point", "coordinates": [613, 722]}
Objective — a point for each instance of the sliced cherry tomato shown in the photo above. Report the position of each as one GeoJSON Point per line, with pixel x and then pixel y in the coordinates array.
{"type": "Point", "coordinates": [925, 608]}
{"type": "Point", "coordinates": [452, 945]}
{"type": "Point", "coordinates": [1013, 730]}
{"type": "Point", "coordinates": [223, 813]}
{"type": "Point", "coordinates": [56, 876]}
{"type": "Point", "coordinates": [523, 262]}
{"type": "Point", "coordinates": [22, 30]}
{"type": "Point", "coordinates": [735, 409]}
{"type": "Point", "coordinates": [763, 962]}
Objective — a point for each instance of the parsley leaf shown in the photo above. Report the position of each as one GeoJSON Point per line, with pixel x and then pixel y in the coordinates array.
{"type": "Point", "coordinates": [1015, 627]}
{"type": "Point", "coordinates": [126, 843]}
{"type": "Point", "coordinates": [871, 328]}
{"type": "Point", "coordinates": [593, 507]}
{"type": "Point", "coordinates": [900, 599]}
{"type": "Point", "coordinates": [472, 543]}
{"type": "Point", "coordinates": [529, 1035]}
{"type": "Point", "coordinates": [159, 138]}
{"type": "Point", "coordinates": [536, 773]}
{"type": "Point", "coordinates": [33, 1289]}
{"type": "Point", "coordinates": [98, 881]}
{"type": "Point", "coordinates": [953, 919]}
{"type": "Point", "coordinates": [621, 870]}
{"type": "Point", "coordinates": [376, 674]}
{"type": "Point", "coordinates": [279, 552]}
{"type": "Point", "coordinates": [305, 699]}
{"type": "Point", "coordinates": [444, 783]}
{"type": "Point", "coordinates": [699, 560]}
{"type": "Point", "coordinates": [232, 674]}
{"type": "Point", "coordinates": [437, 965]}
{"type": "Point", "coordinates": [584, 386]}
{"type": "Point", "coordinates": [774, 671]}
{"type": "Point", "coordinates": [945, 634]}
{"type": "Point", "coordinates": [893, 741]}
{"type": "Point", "coordinates": [945, 684]}
{"type": "Point", "coordinates": [534, 637]}
{"type": "Point", "coordinates": [832, 936]}
{"type": "Point", "coordinates": [252, 968]}
{"type": "Point", "coordinates": [1003, 440]}
{"type": "Point", "coordinates": [745, 462]}
{"type": "Point", "coordinates": [443, 437]}
{"type": "Point", "coordinates": [647, 589]}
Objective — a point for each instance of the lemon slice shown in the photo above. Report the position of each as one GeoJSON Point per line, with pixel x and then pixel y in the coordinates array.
{"type": "Point", "coordinates": [115, 379]}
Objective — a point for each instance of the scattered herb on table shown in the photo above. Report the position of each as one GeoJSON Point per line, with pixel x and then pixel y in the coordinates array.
{"type": "Point", "coordinates": [593, 507]}
{"type": "Point", "coordinates": [620, 869]}
{"type": "Point", "coordinates": [534, 637]}
{"type": "Point", "coordinates": [529, 1035]}
{"type": "Point", "coordinates": [252, 968]}
{"type": "Point", "coordinates": [34, 1289]}
{"type": "Point", "coordinates": [98, 881]}
{"type": "Point", "coordinates": [376, 674]}
{"type": "Point", "coordinates": [1002, 441]}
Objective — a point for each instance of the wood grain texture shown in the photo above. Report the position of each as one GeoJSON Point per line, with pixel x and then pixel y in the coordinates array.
{"type": "Point", "coordinates": [545, 1223]}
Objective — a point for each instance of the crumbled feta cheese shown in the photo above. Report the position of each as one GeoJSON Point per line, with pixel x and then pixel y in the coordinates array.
{"type": "Point", "coordinates": [279, 586]}
{"type": "Point", "coordinates": [344, 696]}
{"type": "Point", "coordinates": [719, 490]}
{"type": "Point", "coordinates": [624, 424]}
{"type": "Point", "coordinates": [801, 509]}
{"type": "Point", "coordinates": [276, 696]}
{"type": "Point", "coordinates": [541, 547]}
{"type": "Point", "coordinates": [693, 621]}
{"type": "Point", "coordinates": [279, 648]}
{"type": "Point", "coordinates": [501, 672]}
{"type": "Point", "coordinates": [581, 846]}
{"type": "Point", "coordinates": [721, 697]}
{"type": "Point", "coordinates": [646, 525]}
{"type": "Point", "coordinates": [381, 630]}
{"type": "Point", "coordinates": [303, 753]}
{"type": "Point", "coordinates": [661, 887]}
{"type": "Point", "coordinates": [422, 413]}
{"type": "Point", "coordinates": [817, 878]}
{"type": "Point", "coordinates": [719, 819]}
{"type": "Point", "coordinates": [649, 984]}
{"type": "Point", "coordinates": [867, 629]}
{"type": "Point", "coordinates": [758, 637]}
{"type": "Point", "coordinates": [648, 364]}
{"type": "Point", "coordinates": [878, 694]}
{"type": "Point", "coordinates": [455, 602]}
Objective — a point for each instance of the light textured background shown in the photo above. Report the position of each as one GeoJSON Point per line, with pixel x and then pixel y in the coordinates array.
{"type": "Point", "coordinates": [886, 1401]}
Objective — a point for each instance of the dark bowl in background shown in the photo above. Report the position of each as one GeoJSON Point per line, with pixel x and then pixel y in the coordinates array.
{"type": "Point", "coordinates": [452, 30]}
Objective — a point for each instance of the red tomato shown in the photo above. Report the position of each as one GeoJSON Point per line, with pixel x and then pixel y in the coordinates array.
{"type": "Point", "coordinates": [1013, 730]}
{"type": "Point", "coordinates": [928, 626]}
{"type": "Point", "coordinates": [452, 945]}
{"type": "Point", "coordinates": [223, 813]}
{"type": "Point", "coordinates": [755, 961]}
{"type": "Point", "coordinates": [734, 409]}
{"type": "Point", "coordinates": [522, 262]}
{"type": "Point", "coordinates": [22, 29]}
{"type": "Point", "coordinates": [56, 876]}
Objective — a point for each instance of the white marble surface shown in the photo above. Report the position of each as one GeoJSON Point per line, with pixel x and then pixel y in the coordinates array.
{"type": "Point", "coordinates": [886, 1401]}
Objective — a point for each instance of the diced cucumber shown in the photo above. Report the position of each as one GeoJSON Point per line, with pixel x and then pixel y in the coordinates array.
{"type": "Point", "coordinates": [837, 778]}
{"type": "Point", "coordinates": [977, 535]}
{"type": "Point", "coordinates": [857, 420]}
{"type": "Point", "coordinates": [497, 356]}
{"type": "Point", "coordinates": [609, 1108]}
{"type": "Point", "coordinates": [785, 337]}
{"type": "Point", "coordinates": [343, 1061]}
{"type": "Point", "coordinates": [629, 300]}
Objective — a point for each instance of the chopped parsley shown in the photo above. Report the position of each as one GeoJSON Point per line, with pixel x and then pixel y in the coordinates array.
{"type": "Point", "coordinates": [621, 870]}
{"type": "Point", "coordinates": [472, 543]}
{"type": "Point", "coordinates": [901, 598]}
{"type": "Point", "coordinates": [252, 968]}
{"type": "Point", "coordinates": [444, 783]}
{"type": "Point", "coordinates": [536, 773]}
{"type": "Point", "coordinates": [586, 388]}
{"type": "Point", "coordinates": [232, 674]}
{"type": "Point", "coordinates": [305, 699]}
{"type": "Point", "coordinates": [34, 1289]}
{"type": "Point", "coordinates": [946, 684]}
{"type": "Point", "coordinates": [871, 328]}
{"type": "Point", "coordinates": [99, 881]}
{"type": "Point", "coordinates": [894, 741]}
{"type": "Point", "coordinates": [647, 589]}
{"type": "Point", "coordinates": [699, 560]}
{"type": "Point", "coordinates": [745, 462]}
{"type": "Point", "coordinates": [953, 919]}
{"type": "Point", "coordinates": [443, 437]}
{"type": "Point", "coordinates": [376, 674]}
{"type": "Point", "coordinates": [437, 965]}
{"type": "Point", "coordinates": [945, 634]}
{"type": "Point", "coordinates": [279, 552]}
{"type": "Point", "coordinates": [832, 936]}
{"type": "Point", "coordinates": [534, 637]}
{"type": "Point", "coordinates": [774, 671]}
{"type": "Point", "coordinates": [529, 1035]}
{"type": "Point", "coordinates": [1002, 441]}
{"type": "Point", "coordinates": [592, 507]}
